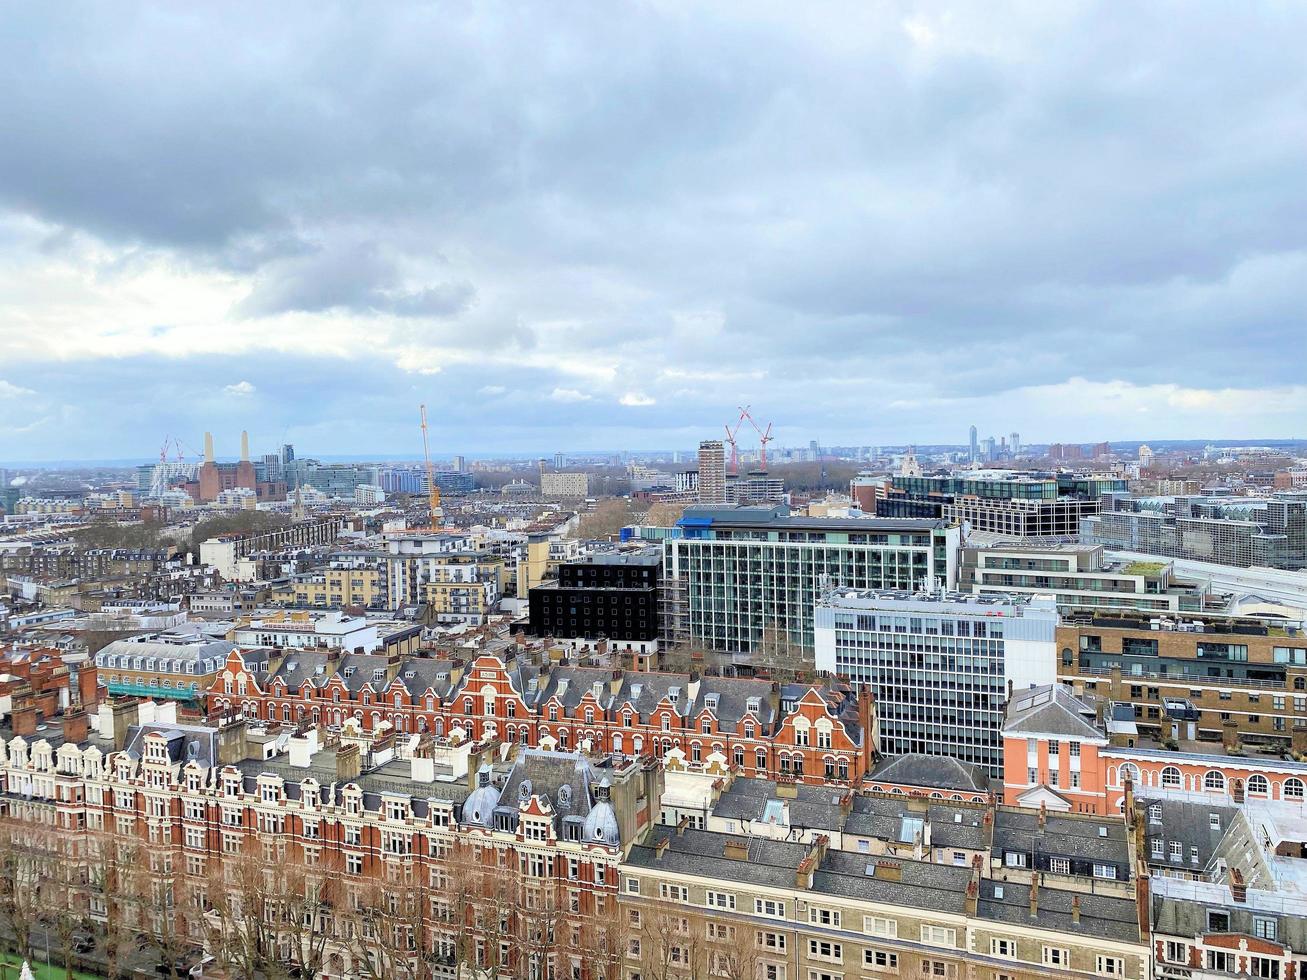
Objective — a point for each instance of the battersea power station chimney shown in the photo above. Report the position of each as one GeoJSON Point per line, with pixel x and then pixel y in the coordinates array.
{"type": "Point", "coordinates": [245, 476]}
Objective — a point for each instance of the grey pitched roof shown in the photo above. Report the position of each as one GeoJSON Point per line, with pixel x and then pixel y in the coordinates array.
{"type": "Point", "coordinates": [358, 669]}
{"type": "Point", "coordinates": [932, 772]}
{"type": "Point", "coordinates": [1050, 710]}
{"type": "Point", "coordinates": [1189, 823]}
{"type": "Point", "coordinates": [185, 742]}
{"type": "Point", "coordinates": [1100, 915]}
{"type": "Point", "coordinates": [881, 817]}
{"type": "Point", "coordinates": [1103, 839]}
{"type": "Point", "coordinates": [754, 799]}
{"type": "Point", "coordinates": [298, 666]}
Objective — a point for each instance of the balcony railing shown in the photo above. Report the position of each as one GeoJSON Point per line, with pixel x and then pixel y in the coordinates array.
{"type": "Point", "coordinates": [1180, 680]}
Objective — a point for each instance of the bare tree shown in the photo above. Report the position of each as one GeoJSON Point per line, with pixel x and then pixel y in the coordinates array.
{"type": "Point", "coordinates": [243, 928]}
{"type": "Point", "coordinates": [25, 861]}
{"type": "Point", "coordinates": [782, 658]}
{"type": "Point", "coordinates": [310, 895]}
{"type": "Point", "coordinates": [732, 951]}
{"type": "Point", "coordinates": [669, 948]}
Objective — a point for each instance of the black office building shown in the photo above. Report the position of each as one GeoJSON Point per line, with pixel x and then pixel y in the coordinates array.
{"type": "Point", "coordinates": [605, 596]}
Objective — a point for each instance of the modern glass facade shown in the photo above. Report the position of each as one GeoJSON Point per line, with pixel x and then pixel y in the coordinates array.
{"type": "Point", "coordinates": [1270, 532]}
{"type": "Point", "coordinates": [939, 667]}
{"type": "Point", "coordinates": [746, 576]}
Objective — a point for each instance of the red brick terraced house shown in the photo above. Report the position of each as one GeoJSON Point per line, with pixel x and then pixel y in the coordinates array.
{"type": "Point", "coordinates": [814, 733]}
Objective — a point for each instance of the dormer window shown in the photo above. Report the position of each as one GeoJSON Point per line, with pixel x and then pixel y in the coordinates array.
{"type": "Point", "coordinates": [748, 731]}
{"type": "Point", "coordinates": [553, 712]}
{"type": "Point", "coordinates": [705, 726]}
{"type": "Point", "coordinates": [431, 703]}
{"type": "Point", "coordinates": [467, 706]}
{"type": "Point", "coordinates": [589, 716]}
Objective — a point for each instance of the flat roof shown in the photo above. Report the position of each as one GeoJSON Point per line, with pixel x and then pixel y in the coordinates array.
{"type": "Point", "coordinates": [772, 517]}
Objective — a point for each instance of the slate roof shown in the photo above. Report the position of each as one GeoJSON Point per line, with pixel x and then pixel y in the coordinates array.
{"type": "Point", "coordinates": [299, 666]}
{"type": "Point", "coordinates": [1063, 835]}
{"type": "Point", "coordinates": [1100, 915]}
{"type": "Point", "coordinates": [358, 669]}
{"type": "Point", "coordinates": [753, 799]}
{"type": "Point", "coordinates": [1050, 710]}
{"type": "Point", "coordinates": [185, 742]}
{"type": "Point", "coordinates": [1188, 822]}
{"type": "Point", "coordinates": [952, 826]}
{"type": "Point", "coordinates": [932, 772]}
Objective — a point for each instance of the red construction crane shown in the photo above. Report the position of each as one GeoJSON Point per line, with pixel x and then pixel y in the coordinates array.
{"type": "Point", "coordinates": [730, 439]}
{"type": "Point", "coordinates": [763, 439]}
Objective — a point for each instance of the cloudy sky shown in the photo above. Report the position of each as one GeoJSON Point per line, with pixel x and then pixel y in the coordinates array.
{"type": "Point", "coordinates": [599, 225]}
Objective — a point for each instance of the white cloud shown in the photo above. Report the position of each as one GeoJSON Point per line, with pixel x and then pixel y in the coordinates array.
{"type": "Point", "coordinates": [490, 391]}
{"type": "Point", "coordinates": [636, 399]}
{"type": "Point", "coordinates": [10, 390]}
{"type": "Point", "coordinates": [240, 389]}
{"type": "Point", "coordinates": [569, 395]}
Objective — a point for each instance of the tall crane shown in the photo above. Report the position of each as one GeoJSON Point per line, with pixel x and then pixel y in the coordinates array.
{"type": "Point", "coordinates": [433, 491]}
{"type": "Point", "coordinates": [763, 439]}
{"type": "Point", "coordinates": [731, 441]}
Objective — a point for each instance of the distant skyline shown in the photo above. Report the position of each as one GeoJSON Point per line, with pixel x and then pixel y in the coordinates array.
{"type": "Point", "coordinates": [586, 226]}
{"type": "Point", "coordinates": [687, 453]}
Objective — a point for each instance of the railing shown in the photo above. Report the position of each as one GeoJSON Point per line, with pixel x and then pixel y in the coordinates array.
{"type": "Point", "coordinates": [1189, 680]}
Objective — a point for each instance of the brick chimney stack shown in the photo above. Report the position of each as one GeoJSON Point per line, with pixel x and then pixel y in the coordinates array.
{"type": "Point", "coordinates": [76, 727]}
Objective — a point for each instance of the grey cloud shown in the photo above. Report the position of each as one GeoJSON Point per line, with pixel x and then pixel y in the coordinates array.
{"type": "Point", "coordinates": [1036, 193]}
{"type": "Point", "coordinates": [361, 277]}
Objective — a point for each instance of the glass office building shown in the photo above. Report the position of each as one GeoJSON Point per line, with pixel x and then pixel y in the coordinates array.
{"type": "Point", "coordinates": [740, 576]}
{"type": "Point", "coordinates": [939, 666]}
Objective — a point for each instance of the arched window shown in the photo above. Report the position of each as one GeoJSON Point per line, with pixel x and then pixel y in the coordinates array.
{"type": "Point", "coordinates": [1258, 785]}
{"type": "Point", "coordinates": [761, 759]}
{"type": "Point", "coordinates": [1300, 683]}
{"type": "Point", "coordinates": [1293, 789]}
{"type": "Point", "coordinates": [1214, 781]}
{"type": "Point", "coordinates": [1170, 777]}
{"type": "Point", "coordinates": [1131, 772]}
{"type": "Point", "coordinates": [617, 742]}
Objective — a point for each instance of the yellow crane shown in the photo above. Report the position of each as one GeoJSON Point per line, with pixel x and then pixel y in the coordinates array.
{"type": "Point", "coordinates": [433, 491]}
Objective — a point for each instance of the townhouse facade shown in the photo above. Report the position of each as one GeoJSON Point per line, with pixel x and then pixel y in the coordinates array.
{"type": "Point", "coordinates": [809, 733]}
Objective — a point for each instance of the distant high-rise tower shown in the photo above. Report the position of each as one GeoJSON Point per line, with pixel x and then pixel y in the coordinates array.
{"type": "Point", "coordinates": [460, 464]}
{"type": "Point", "coordinates": [287, 454]}
{"type": "Point", "coordinates": [558, 461]}
{"type": "Point", "coordinates": [1015, 441]}
{"type": "Point", "coordinates": [975, 444]}
{"type": "Point", "coordinates": [712, 472]}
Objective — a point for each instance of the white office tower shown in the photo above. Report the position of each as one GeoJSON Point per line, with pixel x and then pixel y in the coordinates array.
{"type": "Point", "coordinates": [939, 665]}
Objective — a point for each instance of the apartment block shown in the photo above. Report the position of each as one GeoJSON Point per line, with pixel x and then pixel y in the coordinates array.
{"type": "Point", "coordinates": [1190, 680]}
{"type": "Point", "coordinates": [741, 577]}
{"type": "Point", "coordinates": [819, 733]}
{"type": "Point", "coordinates": [564, 485]}
{"type": "Point", "coordinates": [611, 597]}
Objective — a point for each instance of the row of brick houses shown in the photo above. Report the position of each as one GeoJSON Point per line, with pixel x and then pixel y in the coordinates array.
{"type": "Point", "coordinates": [808, 732]}
{"type": "Point", "coordinates": [553, 864]}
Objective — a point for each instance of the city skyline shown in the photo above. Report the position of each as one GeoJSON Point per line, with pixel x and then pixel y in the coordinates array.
{"type": "Point", "coordinates": [886, 223]}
